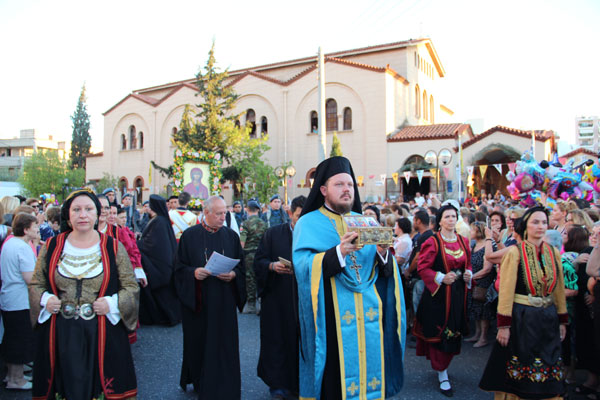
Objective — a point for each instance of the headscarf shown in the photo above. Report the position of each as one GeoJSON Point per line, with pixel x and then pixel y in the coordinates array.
{"type": "Point", "coordinates": [521, 224]}
{"type": "Point", "coordinates": [159, 205]}
{"type": "Point", "coordinates": [157, 244]}
{"type": "Point", "coordinates": [325, 170]}
{"type": "Point", "coordinates": [438, 216]}
{"type": "Point", "coordinates": [64, 211]}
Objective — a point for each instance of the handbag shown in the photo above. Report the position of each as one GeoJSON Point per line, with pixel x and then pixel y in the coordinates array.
{"type": "Point", "coordinates": [480, 294]}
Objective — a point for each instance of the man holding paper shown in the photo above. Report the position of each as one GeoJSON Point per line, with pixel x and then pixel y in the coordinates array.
{"type": "Point", "coordinates": [211, 359]}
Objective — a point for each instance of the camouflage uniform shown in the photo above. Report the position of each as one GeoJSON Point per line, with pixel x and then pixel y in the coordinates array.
{"type": "Point", "coordinates": [251, 234]}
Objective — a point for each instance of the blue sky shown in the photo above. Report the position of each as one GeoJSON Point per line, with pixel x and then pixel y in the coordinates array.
{"type": "Point", "coordinates": [525, 64]}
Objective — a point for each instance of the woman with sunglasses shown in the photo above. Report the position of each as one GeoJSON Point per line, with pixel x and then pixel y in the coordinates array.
{"type": "Point", "coordinates": [526, 361]}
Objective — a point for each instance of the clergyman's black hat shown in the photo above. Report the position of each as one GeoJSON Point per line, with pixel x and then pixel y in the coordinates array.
{"type": "Point", "coordinates": [325, 170]}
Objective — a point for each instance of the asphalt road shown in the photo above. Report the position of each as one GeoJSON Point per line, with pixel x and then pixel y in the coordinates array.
{"type": "Point", "coordinates": [157, 356]}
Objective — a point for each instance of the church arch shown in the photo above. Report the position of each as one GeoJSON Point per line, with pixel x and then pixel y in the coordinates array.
{"type": "Point", "coordinates": [493, 180]}
{"type": "Point", "coordinates": [123, 185]}
{"type": "Point", "coordinates": [138, 186]}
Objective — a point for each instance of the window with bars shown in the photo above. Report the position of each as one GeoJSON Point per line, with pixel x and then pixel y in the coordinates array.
{"type": "Point", "coordinates": [347, 118]}
{"type": "Point", "coordinates": [331, 111]}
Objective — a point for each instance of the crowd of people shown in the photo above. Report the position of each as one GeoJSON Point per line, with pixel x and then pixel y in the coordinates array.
{"type": "Point", "coordinates": [336, 318]}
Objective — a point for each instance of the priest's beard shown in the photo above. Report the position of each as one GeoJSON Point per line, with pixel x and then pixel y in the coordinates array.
{"type": "Point", "coordinates": [340, 208]}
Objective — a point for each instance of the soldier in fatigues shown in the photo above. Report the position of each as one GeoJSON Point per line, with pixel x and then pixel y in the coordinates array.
{"type": "Point", "coordinates": [251, 233]}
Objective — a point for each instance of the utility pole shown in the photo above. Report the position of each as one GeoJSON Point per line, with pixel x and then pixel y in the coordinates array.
{"type": "Point", "coordinates": [322, 116]}
{"type": "Point", "coordinates": [459, 166]}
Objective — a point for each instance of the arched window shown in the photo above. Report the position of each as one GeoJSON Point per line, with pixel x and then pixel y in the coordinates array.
{"type": "Point", "coordinates": [431, 109]}
{"type": "Point", "coordinates": [174, 131]}
{"type": "Point", "coordinates": [123, 184]}
{"type": "Point", "coordinates": [251, 119]}
{"type": "Point", "coordinates": [331, 111]}
{"type": "Point", "coordinates": [264, 124]}
{"type": "Point", "coordinates": [138, 185]}
{"type": "Point", "coordinates": [141, 139]}
{"type": "Point", "coordinates": [237, 123]}
{"type": "Point", "coordinates": [417, 101]}
{"type": "Point", "coordinates": [132, 137]}
{"type": "Point", "coordinates": [347, 118]}
{"type": "Point", "coordinates": [425, 114]}
{"type": "Point", "coordinates": [123, 142]}
{"type": "Point", "coordinates": [314, 122]}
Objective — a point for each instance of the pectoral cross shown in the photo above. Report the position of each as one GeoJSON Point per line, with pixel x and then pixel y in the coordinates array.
{"type": "Point", "coordinates": [355, 267]}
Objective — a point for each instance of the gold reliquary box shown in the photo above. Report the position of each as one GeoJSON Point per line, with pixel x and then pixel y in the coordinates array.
{"type": "Point", "coordinates": [369, 230]}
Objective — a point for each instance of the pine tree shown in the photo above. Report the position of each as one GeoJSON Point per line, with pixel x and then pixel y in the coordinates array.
{"type": "Point", "coordinates": [215, 129]}
{"type": "Point", "coordinates": [336, 147]}
{"type": "Point", "coordinates": [81, 140]}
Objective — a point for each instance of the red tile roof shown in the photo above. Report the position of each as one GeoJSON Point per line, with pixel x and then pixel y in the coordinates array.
{"type": "Point", "coordinates": [154, 102]}
{"type": "Point", "coordinates": [540, 135]}
{"type": "Point", "coordinates": [429, 132]}
{"type": "Point", "coordinates": [94, 154]}
{"type": "Point", "coordinates": [580, 150]}
{"type": "Point", "coordinates": [312, 59]}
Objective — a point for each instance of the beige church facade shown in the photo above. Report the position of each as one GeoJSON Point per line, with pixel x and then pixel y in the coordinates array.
{"type": "Point", "coordinates": [383, 101]}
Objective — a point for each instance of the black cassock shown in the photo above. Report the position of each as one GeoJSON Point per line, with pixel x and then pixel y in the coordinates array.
{"type": "Point", "coordinates": [158, 302]}
{"type": "Point", "coordinates": [278, 362]}
{"type": "Point", "coordinates": [211, 360]}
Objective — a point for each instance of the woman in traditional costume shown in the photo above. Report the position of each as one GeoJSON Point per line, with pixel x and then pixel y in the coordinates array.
{"type": "Point", "coordinates": [445, 267]}
{"type": "Point", "coordinates": [84, 300]}
{"type": "Point", "coordinates": [532, 316]}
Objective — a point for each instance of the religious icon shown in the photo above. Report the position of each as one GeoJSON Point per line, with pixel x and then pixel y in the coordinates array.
{"type": "Point", "coordinates": [369, 231]}
{"type": "Point", "coordinates": [196, 179]}
{"type": "Point", "coordinates": [372, 221]}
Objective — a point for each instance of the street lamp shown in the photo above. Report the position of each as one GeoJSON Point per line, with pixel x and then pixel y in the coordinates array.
{"type": "Point", "coordinates": [444, 156]}
{"type": "Point", "coordinates": [65, 184]}
{"type": "Point", "coordinates": [281, 173]}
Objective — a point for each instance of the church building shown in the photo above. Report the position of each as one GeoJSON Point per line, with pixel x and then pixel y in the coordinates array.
{"type": "Point", "coordinates": [384, 102]}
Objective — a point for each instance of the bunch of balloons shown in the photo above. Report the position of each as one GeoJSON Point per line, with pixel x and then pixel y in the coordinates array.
{"type": "Point", "coordinates": [527, 180]}
{"type": "Point", "coordinates": [530, 179]}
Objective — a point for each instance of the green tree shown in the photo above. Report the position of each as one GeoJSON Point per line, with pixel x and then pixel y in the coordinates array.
{"type": "Point", "coordinates": [247, 166]}
{"type": "Point", "coordinates": [210, 126]}
{"type": "Point", "coordinates": [107, 181]}
{"type": "Point", "coordinates": [43, 172]}
{"type": "Point", "coordinates": [336, 146]}
{"type": "Point", "coordinates": [215, 128]}
{"type": "Point", "coordinates": [81, 141]}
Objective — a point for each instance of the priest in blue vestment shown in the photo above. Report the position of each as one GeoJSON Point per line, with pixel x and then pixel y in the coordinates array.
{"type": "Point", "coordinates": [350, 300]}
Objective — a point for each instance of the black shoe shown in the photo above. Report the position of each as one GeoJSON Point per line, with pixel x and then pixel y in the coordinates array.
{"type": "Point", "coordinates": [447, 392]}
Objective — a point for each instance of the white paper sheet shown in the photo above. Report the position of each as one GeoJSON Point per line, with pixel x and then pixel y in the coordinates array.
{"type": "Point", "coordinates": [219, 264]}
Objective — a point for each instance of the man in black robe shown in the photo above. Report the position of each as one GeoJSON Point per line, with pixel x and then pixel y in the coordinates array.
{"type": "Point", "coordinates": [211, 360]}
{"type": "Point", "coordinates": [276, 286]}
